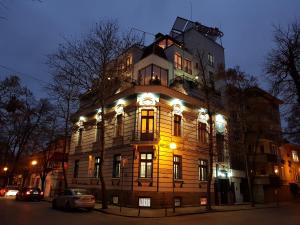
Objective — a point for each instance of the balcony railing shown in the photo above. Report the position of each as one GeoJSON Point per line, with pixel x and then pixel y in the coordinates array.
{"type": "Point", "coordinates": [145, 137]}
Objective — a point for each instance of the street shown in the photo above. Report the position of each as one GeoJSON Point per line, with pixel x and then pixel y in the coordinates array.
{"type": "Point", "coordinates": [34, 213]}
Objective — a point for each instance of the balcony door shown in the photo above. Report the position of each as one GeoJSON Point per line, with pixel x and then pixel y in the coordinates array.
{"type": "Point", "coordinates": [147, 125]}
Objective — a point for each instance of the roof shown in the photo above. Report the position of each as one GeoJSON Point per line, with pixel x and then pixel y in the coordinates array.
{"type": "Point", "coordinates": [154, 49]}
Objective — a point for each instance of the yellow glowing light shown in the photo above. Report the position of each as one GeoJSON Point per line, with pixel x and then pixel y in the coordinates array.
{"type": "Point", "coordinates": [173, 145]}
{"type": "Point", "coordinates": [276, 171]}
{"type": "Point", "coordinates": [33, 162]}
{"type": "Point", "coordinates": [5, 169]}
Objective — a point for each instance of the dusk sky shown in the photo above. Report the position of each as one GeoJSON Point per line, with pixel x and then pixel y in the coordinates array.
{"type": "Point", "coordinates": [31, 30]}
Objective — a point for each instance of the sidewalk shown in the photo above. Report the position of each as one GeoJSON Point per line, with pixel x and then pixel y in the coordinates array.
{"type": "Point", "coordinates": [156, 213]}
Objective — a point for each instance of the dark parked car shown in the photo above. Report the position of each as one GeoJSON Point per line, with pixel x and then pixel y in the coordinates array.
{"type": "Point", "coordinates": [30, 194]}
{"type": "Point", "coordinates": [74, 198]}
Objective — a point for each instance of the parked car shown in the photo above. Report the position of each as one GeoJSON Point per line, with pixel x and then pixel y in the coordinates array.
{"type": "Point", "coordinates": [30, 194]}
{"type": "Point", "coordinates": [10, 191]}
{"type": "Point", "coordinates": [74, 198]}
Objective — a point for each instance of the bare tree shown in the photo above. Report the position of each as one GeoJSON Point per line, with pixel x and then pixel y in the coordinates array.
{"type": "Point", "coordinates": [65, 92]}
{"type": "Point", "coordinates": [21, 117]}
{"type": "Point", "coordinates": [94, 64]}
{"type": "Point", "coordinates": [236, 85]}
{"type": "Point", "coordinates": [207, 85]}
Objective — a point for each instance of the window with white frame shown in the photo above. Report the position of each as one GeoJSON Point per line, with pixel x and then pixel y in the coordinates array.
{"type": "Point", "coordinates": [116, 166]}
{"type": "Point", "coordinates": [146, 164]}
{"type": "Point", "coordinates": [177, 125]}
{"type": "Point", "coordinates": [119, 125]}
{"type": "Point", "coordinates": [177, 167]}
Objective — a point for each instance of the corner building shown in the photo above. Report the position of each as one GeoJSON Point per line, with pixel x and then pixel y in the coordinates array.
{"type": "Point", "coordinates": [156, 126]}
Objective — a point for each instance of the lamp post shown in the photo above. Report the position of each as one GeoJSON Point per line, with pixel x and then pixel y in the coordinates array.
{"type": "Point", "coordinates": [5, 169]}
{"type": "Point", "coordinates": [33, 164]}
{"type": "Point", "coordinates": [173, 146]}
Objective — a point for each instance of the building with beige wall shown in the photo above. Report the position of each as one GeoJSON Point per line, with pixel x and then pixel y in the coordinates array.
{"type": "Point", "coordinates": [156, 126]}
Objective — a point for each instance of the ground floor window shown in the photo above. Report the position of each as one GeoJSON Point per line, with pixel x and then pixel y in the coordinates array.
{"type": "Point", "coordinates": [144, 202]}
{"type": "Point", "coordinates": [177, 202]}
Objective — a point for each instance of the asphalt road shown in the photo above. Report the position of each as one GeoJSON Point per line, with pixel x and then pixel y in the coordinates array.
{"type": "Point", "coordinates": [36, 213]}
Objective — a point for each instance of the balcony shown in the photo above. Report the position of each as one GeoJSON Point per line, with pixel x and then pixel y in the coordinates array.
{"type": "Point", "coordinates": [145, 138]}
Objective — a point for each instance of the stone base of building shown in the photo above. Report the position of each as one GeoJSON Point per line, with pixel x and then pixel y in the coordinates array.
{"type": "Point", "coordinates": [154, 200]}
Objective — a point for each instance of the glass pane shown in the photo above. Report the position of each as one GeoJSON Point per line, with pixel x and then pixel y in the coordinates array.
{"type": "Point", "coordinates": [143, 156]}
{"type": "Point", "coordinates": [143, 169]}
{"type": "Point", "coordinates": [149, 169]}
{"type": "Point", "coordinates": [150, 125]}
{"type": "Point", "coordinates": [144, 125]}
{"type": "Point", "coordinates": [164, 77]}
{"type": "Point", "coordinates": [148, 75]}
{"type": "Point", "coordinates": [156, 72]}
{"type": "Point", "coordinates": [149, 156]}
{"type": "Point", "coordinates": [144, 112]}
{"type": "Point", "coordinates": [151, 112]}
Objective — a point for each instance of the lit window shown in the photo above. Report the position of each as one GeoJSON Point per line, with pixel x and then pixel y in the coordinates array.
{"type": "Point", "coordinates": [202, 170]}
{"type": "Point", "coordinates": [147, 124]}
{"type": "Point", "coordinates": [116, 166]}
{"type": "Point", "coordinates": [144, 202]}
{"type": "Point", "coordinates": [295, 156]}
{"type": "Point", "coordinates": [146, 162]}
{"type": "Point", "coordinates": [187, 66]}
{"type": "Point", "coordinates": [97, 167]}
{"type": "Point", "coordinates": [119, 125]}
{"type": "Point", "coordinates": [177, 202]}
{"type": "Point", "coordinates": [202, 135]}
{"type": "Point", "coordinates": [211, 59]}
{"type": "Point", "coordinates": [178, 61]}
{"type": "Point", "coordinates": [177, 167]}
{"type": "Point", "coordinates": [177, 125]}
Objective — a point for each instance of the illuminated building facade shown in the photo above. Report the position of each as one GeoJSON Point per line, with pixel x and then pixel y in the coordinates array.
{"type": "Point", "coordinates": [156, 142]}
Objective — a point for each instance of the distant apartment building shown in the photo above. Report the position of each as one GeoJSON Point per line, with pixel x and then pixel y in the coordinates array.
{"type": "Point", "coordinates": [156, 142]}
{"type": "Point", "coordinates": [262, 132]}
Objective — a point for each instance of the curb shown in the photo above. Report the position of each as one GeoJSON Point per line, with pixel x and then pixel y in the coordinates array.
{"type": "Point", "coordinates": [184, 214]}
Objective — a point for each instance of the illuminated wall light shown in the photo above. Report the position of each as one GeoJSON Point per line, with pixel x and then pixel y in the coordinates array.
{"type": "Point", "coordinates": [173, 145]}
{"type": "Point", "coordinates": [147, 99]}
{"type": "Point", "coordinates": [203, 116]}
{"type": "Point", "coordinates": [98, 115]}
{"type": "Point", "coordinates": [177, 107]}
{"type": "Point", "coordinates": [119, 109]}
{"type": "Point", "coordinates": [276, 171]}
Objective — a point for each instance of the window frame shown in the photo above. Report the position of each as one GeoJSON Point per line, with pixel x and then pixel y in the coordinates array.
{"type": "Point", "coordinates": [116, 173]}
{"type": "Point", "coordinates": [146, 161]}
{"type": "Point", "coordinates": [79, 138]}
{"type": "Point", "coordinates": [147, 118]}
{"type": "Point", "coordinates": [178, 61]}
{"type": "Point", "coordinates": [202, 167]}
{"type": "Point", "coordinates": [119, 125]}
{"type": "Point", "coordinates": [177, 167]}
{"type": "Point", "coordinates": [202, 132]}
{"type": "Point", "coordinates": [97, 167]}
{"type": "Point", "coordinates": [177, 123]}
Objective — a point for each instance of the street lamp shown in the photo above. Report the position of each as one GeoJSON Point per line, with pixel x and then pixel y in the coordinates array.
{"type": "Point", "coordinates": [33, 162]}
{"type": "Point", "coordinates": [5, 169]}
{"type": "Point", "coordinates": [173, 146]}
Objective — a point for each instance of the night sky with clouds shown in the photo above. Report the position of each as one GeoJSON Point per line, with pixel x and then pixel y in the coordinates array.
{"type": "Point", "coordinates": [31, 29]}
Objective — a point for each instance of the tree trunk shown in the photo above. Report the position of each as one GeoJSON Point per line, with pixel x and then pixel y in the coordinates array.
{"type": "Point", "coordinates": [66, 133]}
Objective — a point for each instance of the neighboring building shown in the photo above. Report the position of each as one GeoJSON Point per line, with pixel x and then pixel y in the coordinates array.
{"type": "Point", "coordinates": [48, 162]}
{"type": "Point", "coordinates": [156, 144]}
{"type": "Point", "coordinates": [262, 141]}
{"type": "Point", "coordinates": [290, 167]}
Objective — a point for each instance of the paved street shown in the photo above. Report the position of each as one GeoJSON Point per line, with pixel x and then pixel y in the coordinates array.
{"type": "Point", "coordinates": [34, 213]}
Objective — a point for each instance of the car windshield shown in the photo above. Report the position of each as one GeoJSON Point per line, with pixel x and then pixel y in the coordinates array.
{"type": "Point", "coordinates": [81, 192]}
